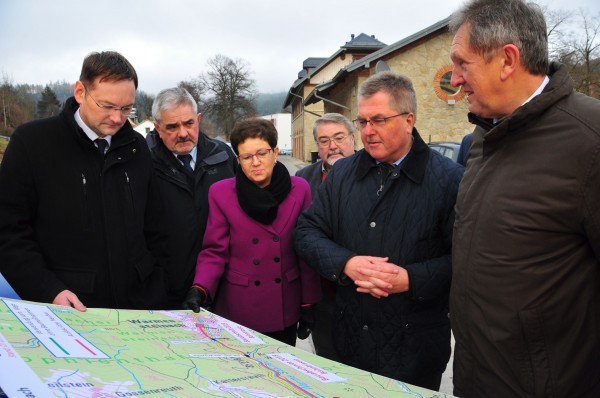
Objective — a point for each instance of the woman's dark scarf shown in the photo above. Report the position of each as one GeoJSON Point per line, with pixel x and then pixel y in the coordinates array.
{"type": "Point", "coordinates": [261, 204]}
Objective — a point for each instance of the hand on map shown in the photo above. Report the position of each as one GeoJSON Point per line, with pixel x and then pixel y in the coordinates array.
{"type": "Point", "coordinates": [197, 297]}
{"type": "Point", "coordinates": [307, 321]}
{"type": "Point", "coordinates": [69, 299]}
{"type": "Point", "coordinates": [376, 276]}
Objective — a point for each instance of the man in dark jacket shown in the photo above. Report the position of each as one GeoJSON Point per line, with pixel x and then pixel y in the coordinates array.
{"type": "Point", "coordinates": [77, 208]}
{"type": "Point", "coordinates": [380, 227]}
{"type": "Point", "coordinates": [334, 136]}
{"type": "Point", "coordinates": [187, 163]}
{"type": "Point", "coordinates": [525, 299]}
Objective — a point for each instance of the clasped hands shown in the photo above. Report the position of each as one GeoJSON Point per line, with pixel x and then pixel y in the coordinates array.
{"type": "Point", "coordinates": [376, 276]}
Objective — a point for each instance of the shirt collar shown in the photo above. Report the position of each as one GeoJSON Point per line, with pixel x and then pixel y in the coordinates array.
{"type": "Point", "coordinates": [88, 131]}
{"type": "Point", "coordinates": [194, 154]}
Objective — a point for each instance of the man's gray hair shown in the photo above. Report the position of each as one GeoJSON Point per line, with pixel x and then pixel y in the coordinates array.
{"type": "Point", "coordinates": [333, 118]}
{"type": "Point", "coordinates": [171, 98]}
{"type": "Point", "coordinates": [494, 24]}
{"type": "Point", "coordinates": [399, 87]}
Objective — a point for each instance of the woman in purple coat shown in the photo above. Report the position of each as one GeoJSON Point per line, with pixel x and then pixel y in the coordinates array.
{"type": "Point", "coordinates": [248, 271]}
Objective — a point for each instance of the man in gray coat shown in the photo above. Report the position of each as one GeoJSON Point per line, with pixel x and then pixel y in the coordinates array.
{"type": "Point", "coordinates": [525, 301]}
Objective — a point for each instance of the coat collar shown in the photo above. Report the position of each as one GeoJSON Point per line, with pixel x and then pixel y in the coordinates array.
{"type": "Point", "coordinates": [124, 136]}
{"type": "Point", "coordinates": [560, 86]}
{"type": "Point", "coordinates": [413, 166]}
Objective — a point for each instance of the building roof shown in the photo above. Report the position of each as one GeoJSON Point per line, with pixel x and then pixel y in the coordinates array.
{"type": "Point", "coordinates": [363, 42]}
{"type": "Point", "coordinates": [360, 44]}
{"type": "Point", "coordinates": [368, 60]}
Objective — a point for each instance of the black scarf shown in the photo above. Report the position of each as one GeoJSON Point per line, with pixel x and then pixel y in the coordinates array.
{"type": "Point", "coordinates": [261, 204]}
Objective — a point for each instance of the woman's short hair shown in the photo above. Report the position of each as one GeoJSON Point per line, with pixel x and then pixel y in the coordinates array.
{"type": "Point", "coordinates": [253, 128]}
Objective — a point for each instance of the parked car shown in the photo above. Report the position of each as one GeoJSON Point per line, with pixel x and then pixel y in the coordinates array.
{"type": "Point", "coordinates": [448, 149]}
{"type": "Point", "coordinates": [284, 151]}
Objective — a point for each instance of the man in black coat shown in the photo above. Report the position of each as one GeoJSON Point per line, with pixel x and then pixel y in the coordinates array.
{"type": "Point", "coordinates": [334, 136]}
{"type": "Point", "coordinates": [78, 221]}
{"type": "Point", "coordinates": [187, 163]}
{"type": "Point", "coordinates": [380, 226]}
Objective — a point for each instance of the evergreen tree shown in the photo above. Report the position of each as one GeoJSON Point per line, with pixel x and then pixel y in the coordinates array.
{"type": "Point", "coordinates": [48, 105]}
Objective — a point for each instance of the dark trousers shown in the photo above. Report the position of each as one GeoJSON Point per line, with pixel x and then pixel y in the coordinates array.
{"type": "Point", "coordinates": [431, 381]}
{"type": "Point", "coordinates": [287, 335]}
{"type": "Point", "coordinates": [322, 334]}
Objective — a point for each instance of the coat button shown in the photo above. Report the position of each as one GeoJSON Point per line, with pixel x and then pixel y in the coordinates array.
{"type": "Point", "coordinates": [277, 280]}
{"type": "Point", "coordinates": [407, 326]}
{"type": "Point", "coordinates": [255, 240]}
{"type": "Point", "coordinates": [276, 239]}
{"type": "Point", "coordinates": [256, 283]}
{"type": "Point", "coordinates": [256, 261]}
{"type": "Point", "coordinates": [334, 277]}
{"type": "Point", "coordinates": [373, 224]}
{"type": "Point", "coordinates": [365, 327]}
{"type": "Point", "coordinates": [276, 259]}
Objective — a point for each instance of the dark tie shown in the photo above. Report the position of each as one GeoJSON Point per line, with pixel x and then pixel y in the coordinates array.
{"type": "Point", "coordinates": [186, 159]}
{"type": "Point", "coordinates": [101, 144]}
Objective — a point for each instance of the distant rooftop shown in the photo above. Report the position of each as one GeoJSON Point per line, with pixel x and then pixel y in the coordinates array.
{"type": "Point", "coordinates": [363, 42]}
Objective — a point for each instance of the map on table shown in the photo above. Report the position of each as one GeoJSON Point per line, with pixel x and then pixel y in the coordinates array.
{"type": "Point", "coordinates": [52, 351]}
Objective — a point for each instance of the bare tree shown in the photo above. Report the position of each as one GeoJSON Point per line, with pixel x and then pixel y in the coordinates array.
{"type": "Point", "coordinates": [194, 87]}
{"type": "Point", "coordinates": [231, 92]}
{"type": "Point", "coordinates": [581, 53]}
{"type": "Point", "coordinates": [557, 22]}
{"type": "Point", "coordinates": [143, 105]}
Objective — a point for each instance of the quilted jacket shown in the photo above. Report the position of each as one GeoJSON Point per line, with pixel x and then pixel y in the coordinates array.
{"type": "Point", "coordinates": [407, 335]}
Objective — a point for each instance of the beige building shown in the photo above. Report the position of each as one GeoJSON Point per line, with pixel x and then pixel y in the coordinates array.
{"type": "Point", "coordinates": [424, 57]}
{"type": "Point", "coordinates": [317, 71]}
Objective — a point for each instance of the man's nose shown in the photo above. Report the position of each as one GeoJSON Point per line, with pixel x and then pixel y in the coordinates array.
{"type": "Point", "coordinates": [456, 79]}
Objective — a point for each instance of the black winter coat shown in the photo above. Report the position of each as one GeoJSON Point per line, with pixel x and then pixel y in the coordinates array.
{"type": "Point", "coordinates": [407, 335]}
{"type": "Point", "coordinates": [186, 207]}
{"type": "Point", "coordinates": [70, 221]}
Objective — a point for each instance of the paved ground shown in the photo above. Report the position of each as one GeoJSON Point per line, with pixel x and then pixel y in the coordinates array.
{"type": "Point", "coordinates": [294, 165]}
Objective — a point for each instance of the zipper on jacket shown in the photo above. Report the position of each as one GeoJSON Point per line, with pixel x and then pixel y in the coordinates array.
{"type": "Point", "coordinates": [85, 215]}
{"type": "Point", "coordinates": [130, 193]}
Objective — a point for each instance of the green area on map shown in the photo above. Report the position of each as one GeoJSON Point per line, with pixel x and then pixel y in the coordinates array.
{"type": "Point", "coordinates": [181, 354]}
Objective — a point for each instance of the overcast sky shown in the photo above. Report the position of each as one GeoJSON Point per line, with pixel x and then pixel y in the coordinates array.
{"type": "Point", "coordinates": [167, 41]}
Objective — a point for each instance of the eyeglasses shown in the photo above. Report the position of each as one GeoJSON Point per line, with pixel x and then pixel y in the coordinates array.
{"type": "Point", "coordinates": [124, 111]}
{"type": "Point", "coordinates": [260, 155]}
{"type": "Point", "coordinates": [377, 122]}
{"type": "Point", "coordinates": [338, 140]}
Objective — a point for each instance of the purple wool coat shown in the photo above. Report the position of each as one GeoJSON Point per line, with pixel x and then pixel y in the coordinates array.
{"type": "Point", "coordinates": [251, 269]}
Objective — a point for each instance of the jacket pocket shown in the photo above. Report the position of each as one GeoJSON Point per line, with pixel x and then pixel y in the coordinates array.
{"type": "Point", "coordinates": [77, 280]}
{"type": "Point", "coordinates": [235, 278]}
{"type": "Point", "coordinates": [534, 365]}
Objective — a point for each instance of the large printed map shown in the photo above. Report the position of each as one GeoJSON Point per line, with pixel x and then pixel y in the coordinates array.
{"type": "Point", "coordinates": [52, 351]}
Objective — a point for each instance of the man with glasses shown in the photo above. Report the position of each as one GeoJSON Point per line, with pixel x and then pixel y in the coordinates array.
{"type": "Point", "coordinates": [380, 227]}
{"type": "Point", "coordinates": [78, 222]}
{"type": "Point", "coordinates": [334, 136]}
{"type": "Point", "coordinates": [187, 163]}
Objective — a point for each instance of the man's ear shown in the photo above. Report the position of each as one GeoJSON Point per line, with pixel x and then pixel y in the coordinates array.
{"type": "Point", "coordinates": [79, 92]}
{"type": "Point", "coordinates": [511, 59]}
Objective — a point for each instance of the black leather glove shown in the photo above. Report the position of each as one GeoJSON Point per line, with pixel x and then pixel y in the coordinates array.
{"type": "Point", "coordinates": [307, 321]}
{"type": "Point", "coordinates": [196, 297]}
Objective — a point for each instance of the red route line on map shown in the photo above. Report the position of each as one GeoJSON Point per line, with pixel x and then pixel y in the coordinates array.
{"type": "Point", "coordinates": [272, 371]}
{"type": "Point", "coordinates": [86, 347]}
